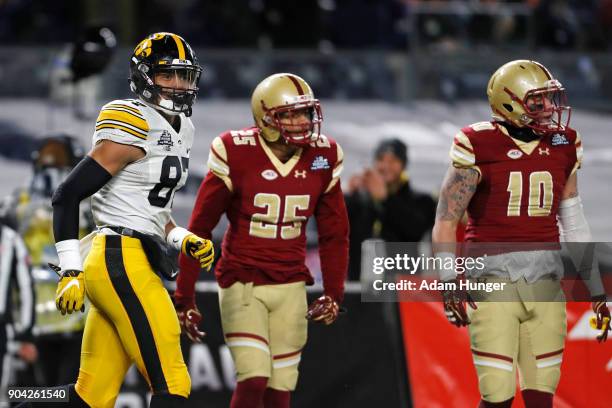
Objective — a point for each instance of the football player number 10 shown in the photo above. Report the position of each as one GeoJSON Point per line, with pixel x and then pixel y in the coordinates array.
{"type": "Point", "coordinates": [264, 225]}
{"type": "Point", "coordinates": [540, 194]}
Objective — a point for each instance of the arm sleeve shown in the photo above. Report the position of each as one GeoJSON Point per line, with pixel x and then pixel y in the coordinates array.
{"type": "Point", "coordinates": [333, 227]}
{"type": "Point", "coordinates": [211, 202]}
{"type": "Point", "coordinates": [337, 170]}
{"type": "Point", "coordinates": [579, 153]}
{"type": "Point", "coordinates": [83, 181]}
{"type": "Point", "coordinates": [575, 232]}
{"type": "Point", "coordinates": [23, 275]}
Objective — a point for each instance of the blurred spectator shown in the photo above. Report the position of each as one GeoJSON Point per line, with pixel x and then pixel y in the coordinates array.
{"type": "Point", "coordinates": [323, 24]}
{"type": "Point", "coordinates": [15, 273]}
{"type": "Point", "coordinates": [557, 24]}
{"type": "Point", "coordinates": [382, 204]}
{"type": "Point", "coordinates": [570, 24]}
{"type": "Point", "coordinates": [75, 77]}
{"type": "Point", "coordinates": [29, 210]}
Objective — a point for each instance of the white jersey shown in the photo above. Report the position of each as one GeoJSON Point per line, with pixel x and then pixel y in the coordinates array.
{"type": "Point", "coordinates": [140, 196]}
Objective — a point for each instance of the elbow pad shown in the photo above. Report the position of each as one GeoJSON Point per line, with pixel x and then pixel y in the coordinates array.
{"type": "Point", "coordinates": [572, 222]}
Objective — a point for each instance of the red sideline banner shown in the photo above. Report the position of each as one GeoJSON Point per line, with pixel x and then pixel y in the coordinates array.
{"type": "Point", "coordinates": [441, 370]}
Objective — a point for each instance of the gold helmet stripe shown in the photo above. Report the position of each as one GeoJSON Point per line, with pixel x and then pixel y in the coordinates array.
{"type": "Point", "coordinates": [296, 84]}
{"type": "Point", "coordinates": [179, 46]}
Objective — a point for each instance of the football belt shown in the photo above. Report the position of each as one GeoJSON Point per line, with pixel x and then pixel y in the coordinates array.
{"type": "Point", "coordinates": [161, 256]}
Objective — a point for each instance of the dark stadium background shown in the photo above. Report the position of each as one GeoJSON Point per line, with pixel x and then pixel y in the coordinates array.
{"type": "Point", "coordinates": [410, 69]}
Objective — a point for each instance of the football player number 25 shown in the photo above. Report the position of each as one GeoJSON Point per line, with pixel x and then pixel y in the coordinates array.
{"type": "Point", "coordinates": [540, 194]}
{"type": "Point", "coordinates": [264, 225]}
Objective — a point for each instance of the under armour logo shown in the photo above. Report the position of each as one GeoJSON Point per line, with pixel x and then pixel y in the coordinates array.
{"type": "Point", "coordinates": [298, 173]}
{"type": "Point", "coordinates": [543, 151]}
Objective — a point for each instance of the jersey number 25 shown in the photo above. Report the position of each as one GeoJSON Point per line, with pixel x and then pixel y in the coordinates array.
{"type": "Point", "coordinates": [265, 225]}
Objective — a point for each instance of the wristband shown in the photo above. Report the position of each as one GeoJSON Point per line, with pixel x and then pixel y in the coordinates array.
{"type": "Point", "coordinates": [176, 236]}
{"type": "Point", "coordinates": [446, 274]}
{"type": "Point", "coordinates": [69, 255]}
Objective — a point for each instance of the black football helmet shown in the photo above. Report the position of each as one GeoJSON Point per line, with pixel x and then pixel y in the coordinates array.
{"type": "Point", "coordinates": [170, 54]}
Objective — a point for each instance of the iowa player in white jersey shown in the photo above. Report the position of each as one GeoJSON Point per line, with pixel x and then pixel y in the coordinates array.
{"type": "Point", "coordinates": [139, 159]}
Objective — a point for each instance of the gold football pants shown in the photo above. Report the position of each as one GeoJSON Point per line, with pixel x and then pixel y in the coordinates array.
{"type": "Point", "coordinates": [265, 328]}
{"type": "Point", "coordinates": [131, 320]}
{"type": "Point", "coordinates": [524, 334]}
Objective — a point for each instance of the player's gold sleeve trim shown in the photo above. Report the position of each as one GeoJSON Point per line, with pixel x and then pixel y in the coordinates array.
{"type": "Point", "coordinates": [339, 162]}
{"type": "Point", "coordinates": [111, 124]}
{"type": "Point", "coordinates": [579, 153]}
{"type": "Point", "coordinates": [123, 106]}
{"type": "Point", "coordinates": [337, 168]}
{"type": "Point", "coordinates": [462, 152]}
{"type": "Point", "coordinates": [124, 116]}
{"type": "Point", "coordinates": [331, 185]}
{"type": "Point", "coordinates": [219, 148]}
{"type": "Point", "coordinates": [121, 127]}
{"type": "Point", "coordinates": [217, 162]}
{"type": "Point", "coordinates": [340, 153]}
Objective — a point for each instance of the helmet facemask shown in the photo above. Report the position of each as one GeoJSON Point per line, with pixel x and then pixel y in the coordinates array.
{"type": "Point", "coordinates": [295, 133]}
{"type": "Point", "coordinates": [545, 110]}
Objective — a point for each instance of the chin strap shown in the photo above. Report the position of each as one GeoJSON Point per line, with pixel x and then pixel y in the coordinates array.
{"type": "Point", "coordinates": [165, 109]}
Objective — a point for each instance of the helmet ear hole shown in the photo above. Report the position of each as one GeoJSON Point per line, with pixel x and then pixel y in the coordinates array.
{"type": "Point", "coordinates": [508, 107]}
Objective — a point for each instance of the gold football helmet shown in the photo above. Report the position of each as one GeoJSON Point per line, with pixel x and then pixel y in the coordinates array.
{"type": "Point", "coordinates": [286, 93]}
{"type": "Point", "coordinates": [524, 93]}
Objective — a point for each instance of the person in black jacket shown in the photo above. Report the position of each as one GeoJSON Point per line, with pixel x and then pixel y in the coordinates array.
{"type": "Point", "coordinates": [381, 203]}
{"type": "Point", "coordinates": [15, 326]}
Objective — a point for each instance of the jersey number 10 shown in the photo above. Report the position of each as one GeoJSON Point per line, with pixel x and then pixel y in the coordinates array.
{"type": "Point", "coordinates": [540, 194]}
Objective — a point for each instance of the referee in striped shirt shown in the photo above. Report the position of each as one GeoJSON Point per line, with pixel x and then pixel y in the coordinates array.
{"type": "Point", "coordinates": [15, 273]}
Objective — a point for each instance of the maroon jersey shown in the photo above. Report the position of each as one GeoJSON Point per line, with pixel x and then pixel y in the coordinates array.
{"type": "Point", "coordinates": [520, 185]}
{"type": "Point", "coordinates": [268, 203]}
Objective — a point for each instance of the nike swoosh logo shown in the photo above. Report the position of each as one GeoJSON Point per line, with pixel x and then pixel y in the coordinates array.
{"type": "Point", "coordinates": [70, 284]}
{"type": "Point", "coordinates": [175, 241]}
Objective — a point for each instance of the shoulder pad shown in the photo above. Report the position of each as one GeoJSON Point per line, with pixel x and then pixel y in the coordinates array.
{"type": "Point", "coordinates": [479, 127]}
{"type": "Point", "coordinates": [218, 158]}
{"type": "Point", "coordinates": [327, 147]}
{"type": "Point", "coordinates": [124, 115]}
{"type": "Point", "coordinates": [462, 151]}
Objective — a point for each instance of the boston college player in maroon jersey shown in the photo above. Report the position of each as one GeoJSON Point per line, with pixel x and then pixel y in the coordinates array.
{"type": "Point", "coordinates": [269, 179]}
{"type": "Point", "coordinates": [516, 176]}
